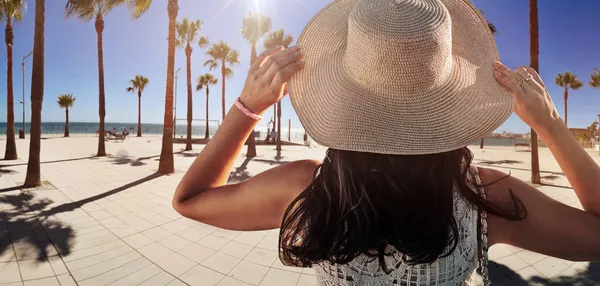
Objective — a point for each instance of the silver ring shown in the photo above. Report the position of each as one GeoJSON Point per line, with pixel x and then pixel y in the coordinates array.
{"type": "Point", "coordinates": [521, 81]}
{"type": "Point", "coordinates": [529, 78]}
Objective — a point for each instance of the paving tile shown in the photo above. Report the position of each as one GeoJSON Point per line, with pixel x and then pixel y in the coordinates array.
{"type": "Point", "coordinates": [155, 251]}
{"type": "Point", "coordinates": [196, 252]}
{"type": "Point", "coordinates": [98, 258]}
{"type": "Point", "coordinates": [308, 271]}
{"type": "Point", "coordinates": [57, 265]}
{"type": "Point", "coordinates": [105, 266]}
{"type": "Point", "coordinates": [269, 243]}
{"type": "Point", "coordinates": [213, 242]}
{"type": "Point", "coordinates": [236, 249]}
{"type": "Point", "coordinates": [34, 269]}
{"type": "Point", "coordinates": [500, 250]}
{"type": "Point", "coordinates": [138, 276]}
{"type": "Point", "coordinates": [307, 280]}
{"type": "Point", "coordinates": [278, 265]}
{"type": "Point", "coordinates": [123, 231]}
{"type": "Point", "coordinates": [249, 238]}
{"type": "Point", "coordinates": [161, 279]}
{"type": "Point", "coordinates": [117, 273]}
{"type": "Point", "coordinates": [9, 272]}
{"type": "Point", "coordinates": [228, 234]}
{"type": "Point", "coordinates": [28, 251]}
{"type": "Point", "coordinates": [192, 234]}
{"type": "Point", "coordinates": [201, 276]}
{"type": "Point", "coordinates": [262, 256]}
{"type": "Point", "coordinates": [551, 267]}
{"type": "Point", "coordinates": [529, 272]}
{"type": "Point", "coordinates": [204, 227]}
{"type": "Point", "coordinates": [157, 233]}
{"type": "Point", "coordinates": [176, 283]}
{"type": "Point", "coordinates": [66, 280]}
{"type": "Point", "coordinates": [228, 281]}
{"type": "Point", "coordinates": [221, 262]}
{"type": "Point", "coordinates": [98, 215]}
{"type": "Point", "coordinates": [249, 272]}
{"type": "Point", "coordinates": [176, 264]}
{"type": "Point", "coordinates": [50, 281]}
{"type": "Point", "coordinates": [175, 242]}
{"type": "Point", "coordinates": [530, 257]}
{"type": "Point", "coordinates": [111, 222]}
{"type": "Point", "coordinates": [8, 254]}
{"type": "Point", "coordinates": [175, 226]}
{"type": "Point", "coordinates": [78, 254]}
{"type": "Point", "coordinates": [276, 277]}
{"type": "Point", "coordinates": [513, 262]}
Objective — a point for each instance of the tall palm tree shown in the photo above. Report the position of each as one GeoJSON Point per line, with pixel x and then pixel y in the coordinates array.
{"type": "Point", "coordinates": [33, 176]}
{"type": "Point", "coordinates": [138, 84]}
{"type": "Point", "coordinates": [204, 81]}
{"type": "Point", "coordinates": [254, 27]}
{"type": "Point", "coordinates": [222, 55]}
{"type": "Point", "coordinates": [568, 80]}
{"type": "Point", "coordinates": [10, 10]}
{"type": "Point", "coordinates": [66, 101]}
{"type": "Point", "coordinates": [166, 164]}
{"type": "Point", "coordinates": [534, 57]}
{"type": "Point", "coordinates": [87, 10]}
{"type": "Point", "coordinates": [187, 31]}
{"type": "Point", "coordinates": [278, 38]}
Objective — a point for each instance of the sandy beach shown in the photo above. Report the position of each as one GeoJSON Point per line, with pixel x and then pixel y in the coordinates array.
{"type": "Point", "coordinates": [101, 221]}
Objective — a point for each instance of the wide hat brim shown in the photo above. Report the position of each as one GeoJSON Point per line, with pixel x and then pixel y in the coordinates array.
{"type": "Point", "coordinates": [342, 114]}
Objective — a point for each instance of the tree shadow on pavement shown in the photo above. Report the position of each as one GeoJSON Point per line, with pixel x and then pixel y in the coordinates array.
{"type": "Point", "coordinates": [588, 276]}
{"type": "Point", "coordinates": [240, 173]}
{"type": "Point", "coordinates": [32, 234]}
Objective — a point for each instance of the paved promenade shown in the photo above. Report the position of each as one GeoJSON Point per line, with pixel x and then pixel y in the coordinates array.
{"type": "Point", "coordinates": [109, 221]}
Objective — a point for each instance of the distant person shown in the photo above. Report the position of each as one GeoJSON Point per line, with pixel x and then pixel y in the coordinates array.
{"type": "Point", "coordinates": [397, 90]}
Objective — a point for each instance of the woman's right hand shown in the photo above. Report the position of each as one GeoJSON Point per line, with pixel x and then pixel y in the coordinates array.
{"type": "Point", "coordinates": [532, 101]}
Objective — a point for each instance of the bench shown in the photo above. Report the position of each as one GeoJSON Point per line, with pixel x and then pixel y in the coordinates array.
{"type": "Point", "coordinates": [517, 145]}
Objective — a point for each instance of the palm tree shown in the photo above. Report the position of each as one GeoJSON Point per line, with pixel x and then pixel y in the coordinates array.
{"type": "Point", "coordinates": [138, 84]}
{"type": "Point", "coordinates": [254, 26]}
{"type": "Point", "coordinates": [278, 38]}
{"type": "Point", "coordinates": [166, 164]}
{"type": "Point", "coordinates": [568, 80]}
{"type": "Point", "coordinates": [204, 81]}
{"type": "Point", "coordinates": [534, 57]}
{"type": "Point", "coordinates": [595, 79]}
{"type": "Point", "coordinates": [221, 54]}
{"type": "Point", "coordinates": [187, 31]}
{"type": "Point", "coordinates": [87, 10]}
{"type": "Point", "coordinates": [66, 101]}
{"type": "Point", "coordinates": [33, 176]}
{"type": "Point", "coordinates": [10, 10]}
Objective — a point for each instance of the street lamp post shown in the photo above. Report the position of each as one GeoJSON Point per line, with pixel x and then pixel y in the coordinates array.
{"type": "Point", "coordinates": [23, 102]}
{"type": "Point", "coordinates": [175, 105]}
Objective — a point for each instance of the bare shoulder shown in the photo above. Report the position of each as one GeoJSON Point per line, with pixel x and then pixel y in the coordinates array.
{"type": "Point", "coordinates": [300, 174]}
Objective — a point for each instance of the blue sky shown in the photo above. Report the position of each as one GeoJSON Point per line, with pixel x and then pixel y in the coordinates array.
{"type": "Point", "coordinates": [568, 42]}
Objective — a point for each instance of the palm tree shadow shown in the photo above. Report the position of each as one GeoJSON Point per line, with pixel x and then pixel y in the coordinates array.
{"type": "Point", "coordinates": [589, 276]}
{"type": "Point", "coordinates": [240, 174]}
{"type": "Point", "coordinates": [33, 235]}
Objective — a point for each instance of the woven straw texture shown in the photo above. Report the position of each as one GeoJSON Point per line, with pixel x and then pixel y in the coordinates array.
{"type": "Point", "coordinates": [404, 77]}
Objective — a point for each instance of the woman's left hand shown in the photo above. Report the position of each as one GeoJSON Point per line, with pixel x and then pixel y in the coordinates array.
{"type": "Point", "coordinates": [265, 84]}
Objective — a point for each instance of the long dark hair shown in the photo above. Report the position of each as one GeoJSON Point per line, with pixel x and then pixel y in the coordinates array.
{"type": "Point", "coordinates": [360, 203]}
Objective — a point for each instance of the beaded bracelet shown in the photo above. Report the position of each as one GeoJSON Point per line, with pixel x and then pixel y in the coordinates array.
{"type": "Point", "coordinates": [245, 110]}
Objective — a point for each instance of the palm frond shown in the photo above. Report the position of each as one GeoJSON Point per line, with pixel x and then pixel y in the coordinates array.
{"type": "Point", "coordinates": [12, 9]}
{"type": "Point", "coordinates": [595, 79]}
{"type": "Point", "coordinates": [254, 26]}
{"type": "Point", "coordinates": [228, 73]}
{"type": "Point", "coordinates": [278, 38]}
{"type": "Point", "coordinates": [66, 100]}
{"type": "Point", "coordinates": [187, 31]}
{"type": "Point", "coordinates": [568, 80]}
{"type": "Point", "coordinates": [203, 42]}
{"type": "Point", "coordinates": [84, 10]}
{"type": "Point", "coordinates": [233, 57]}
{"type": "Point", "coordinates": [211, 64]}
{"type": "Point", "coordinates": [130, 89]}
{"type": "Point", "coordinates": [138, 7]}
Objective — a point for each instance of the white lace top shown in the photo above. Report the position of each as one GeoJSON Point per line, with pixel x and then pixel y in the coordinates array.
{"type": "Point", "coordinates": [456, 269]}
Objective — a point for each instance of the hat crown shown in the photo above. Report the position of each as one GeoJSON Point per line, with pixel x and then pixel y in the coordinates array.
{"type": "Point", "coordinates": [404, 46]}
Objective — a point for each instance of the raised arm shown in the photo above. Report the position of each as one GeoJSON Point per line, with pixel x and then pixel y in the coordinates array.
{"type": "Point", "coordinates": [259, 202]}
{"type": "Point", "coordinates": [549, 227]}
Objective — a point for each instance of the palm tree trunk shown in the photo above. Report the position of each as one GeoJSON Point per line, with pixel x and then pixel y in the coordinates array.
{"type": "Point", "coordinates": [67, 122]}
{"type": "Point", "coordinates": [534, 52]}
{"type": "Point", "coordinates": [278, 147]}
{"type": "Point", "coordinates": [11, 145]}
{"type": "Point", "coordinates": [101, 107]}
{"type": "Point", "coordinates": [566, 105]}
{"type": "Point", "coordinates": [206, 134]}
{"type": "Point", "coordinates": [188, 56]}
{"type": "Point", "coordinates": [274, 119]}
{"type": "Point", "coordinates": [166, 164]}
{"type": "Point", "coordinates": [481, 143]}
{"type": "Point", "coordinates": [223, 89]}
{"type": "Point", "coordinates": [251, 141]}
{"type": "Point", "coordinates": [33, 177]}
{"type": "Point", "coordinates": [139, 131]}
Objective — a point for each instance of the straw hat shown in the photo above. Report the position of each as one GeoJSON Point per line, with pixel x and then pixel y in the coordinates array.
{"type": "Point", "coordinates": [404, 77]}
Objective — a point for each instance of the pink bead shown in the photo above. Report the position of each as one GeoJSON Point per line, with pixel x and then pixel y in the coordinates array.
{"type": "Point", "coordinates": [245, 110]}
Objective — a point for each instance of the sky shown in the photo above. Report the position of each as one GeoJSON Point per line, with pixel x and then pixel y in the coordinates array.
{"type": "Point", "coordinates": [568, 42]}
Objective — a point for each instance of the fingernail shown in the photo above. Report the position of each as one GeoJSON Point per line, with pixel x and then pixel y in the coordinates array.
{"type": "Point", "coordinates": [497, 64]}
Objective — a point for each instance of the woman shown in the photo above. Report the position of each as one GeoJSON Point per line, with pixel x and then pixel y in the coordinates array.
{"type": "Point", "coordinates": [396, 89]}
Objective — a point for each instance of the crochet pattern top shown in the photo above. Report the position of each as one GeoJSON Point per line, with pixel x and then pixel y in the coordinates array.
{"type": "Point", "coordinates": [455, 269]}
